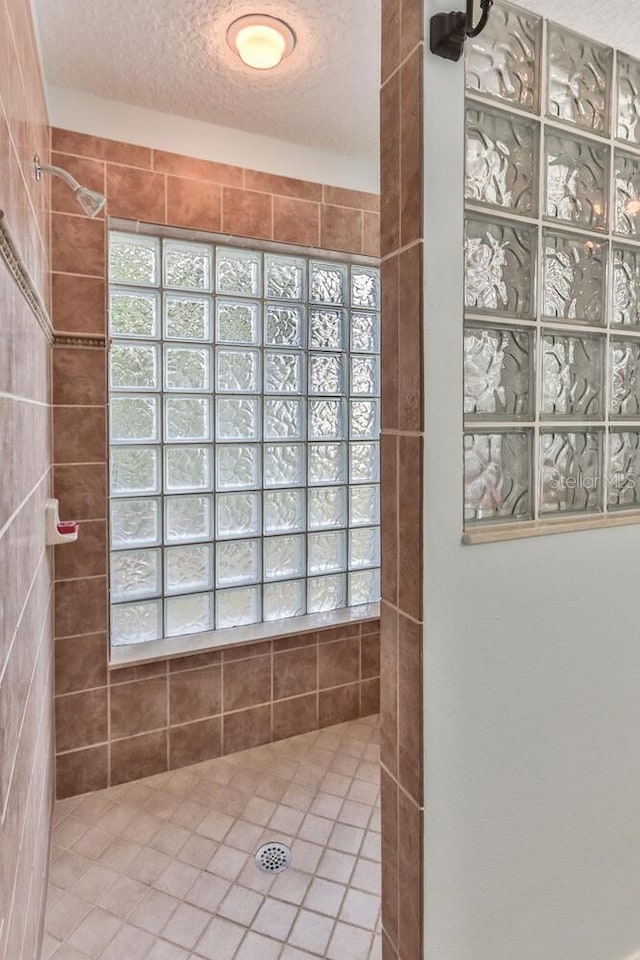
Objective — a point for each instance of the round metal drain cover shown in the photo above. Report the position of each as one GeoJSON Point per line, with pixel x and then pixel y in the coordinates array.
{"type": "Point", "coordinates": [273, 857]}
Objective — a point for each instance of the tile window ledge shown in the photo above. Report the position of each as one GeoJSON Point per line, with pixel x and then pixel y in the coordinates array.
{"type": "Point", "coordinates": [544, 528]}
{"type": "Point", "coordinates": [174, 647]}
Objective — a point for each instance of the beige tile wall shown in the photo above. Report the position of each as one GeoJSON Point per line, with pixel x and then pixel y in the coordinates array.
{"type": "Point", "coordinates": [117, 725]}
{"type": "Point", "coordinates": [141, 720]}
{"type": "Point", "coordinates": [402, 240]}
{"type": "Point", "coordinates": [26, 769]}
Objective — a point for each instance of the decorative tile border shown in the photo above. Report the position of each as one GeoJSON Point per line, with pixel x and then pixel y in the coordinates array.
{"type": "Point", "coordinates": [78, 340]}
{"type": "Point", "coordinates": [18, 270]}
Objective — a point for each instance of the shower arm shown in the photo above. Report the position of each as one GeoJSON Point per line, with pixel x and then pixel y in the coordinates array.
{"type": "Point", "coordinates": [90, 201]}
{"type": "Point", "coordinates": [41, 168]}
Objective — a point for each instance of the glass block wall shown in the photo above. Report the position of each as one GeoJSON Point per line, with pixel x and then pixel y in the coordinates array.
{"type": "Point", "coordinates": [244, 425]}
{"type": "Point", "coordinates": [552, 274]}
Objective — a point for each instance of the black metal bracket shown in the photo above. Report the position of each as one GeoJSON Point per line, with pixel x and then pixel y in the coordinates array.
{"type": "Point", "coordinates": [450, 30]}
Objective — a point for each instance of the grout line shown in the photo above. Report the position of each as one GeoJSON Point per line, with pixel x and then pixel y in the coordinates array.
{"type": "Point", "coordinates": [401, 789]}
{"type": "Point", "coordinates": [317, 647]}
{"type": "Point", "coordinates": [77, 216]}
{"type": "Point", "coordinates": [79, 276]}
{"type": "Point", "coordinates": [87, 463]}
{"type": "Point", "coordinates": [18, 399]}
{"type": "Point", "coordinates": [79, 406]}
{"type": "Point", "coordinates": [400, 612]}
{"type": "Point", "coordinates": [34, 213]}
{"type": "Point", "coordinates": [32, 782]}
{"type": "Point", "coordinates": [271, 690]}
{"type": "Point", "coordinates": [82, 463]}
{"type": "Point", "coordinates": [24, 502]}
{"type": "Point", "coordinates": [85, 156]}
{"type": "Point", "coordinates": [168, 713]}
{"type": "Point", "coordinates": [27, 698]}
{"type": "Point", "coordinates": [93, 576]}
{"type": "Point", "coordinates": [402, 62]}
{"type": "Point", "coordinates": [109, 737]}
{"type": "Point", "coordinates": [393, 432]}
{"type": "Point", "coordinates": [221, 714]}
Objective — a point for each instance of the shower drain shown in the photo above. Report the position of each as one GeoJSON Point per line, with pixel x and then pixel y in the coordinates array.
{"type": "Point", "coordinates": [273, 857]}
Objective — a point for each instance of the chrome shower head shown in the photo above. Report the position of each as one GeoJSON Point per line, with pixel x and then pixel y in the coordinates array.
{"type": "Point", "coordinates": [90, 201]}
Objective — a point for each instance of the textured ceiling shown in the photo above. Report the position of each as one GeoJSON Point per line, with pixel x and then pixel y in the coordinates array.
{"type": "Point", "coordinates": [172, 56]}
{"type": "Point", "coordinates": [616, 22]}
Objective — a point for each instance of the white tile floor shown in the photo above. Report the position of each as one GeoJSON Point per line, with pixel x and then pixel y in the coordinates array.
{"type": "Point", "coordinates": [162, 869]}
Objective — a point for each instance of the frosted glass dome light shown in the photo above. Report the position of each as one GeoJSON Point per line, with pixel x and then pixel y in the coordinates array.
{"type": "Point", "coordinates": [262, 42]}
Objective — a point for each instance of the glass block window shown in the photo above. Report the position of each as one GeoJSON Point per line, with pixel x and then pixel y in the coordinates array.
{"type": "Point", "coordinates": [552, 274]}
{"type": "Point", "coordinates": [244, 435]}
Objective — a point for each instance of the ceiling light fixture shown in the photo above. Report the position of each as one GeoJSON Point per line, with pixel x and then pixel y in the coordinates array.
{"type": "Point", "coordinates": [261, 41]}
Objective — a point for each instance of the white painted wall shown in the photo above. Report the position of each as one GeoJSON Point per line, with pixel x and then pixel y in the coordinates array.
{"type": "Point", "coordinates": [532, 674]}
{"type": "Point", "coordinates": [74, 110]}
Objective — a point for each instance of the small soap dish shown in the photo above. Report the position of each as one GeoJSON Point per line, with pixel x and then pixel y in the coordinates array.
{"type": "Point", "coordinates": [59, 531]}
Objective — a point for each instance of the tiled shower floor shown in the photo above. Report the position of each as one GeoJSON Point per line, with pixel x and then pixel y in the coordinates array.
{"type": "Point", "coordinates": [162, 869]}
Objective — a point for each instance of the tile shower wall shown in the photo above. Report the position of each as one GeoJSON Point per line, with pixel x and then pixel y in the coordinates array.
{"type": "Point", "coordinates": [160, 716]}
{"type": "Point", "coordinates": [26, 767]}
{"type": "Point", "coordinates": [117, 725]}
{"type": "Point", "coordinates": [402, 233]}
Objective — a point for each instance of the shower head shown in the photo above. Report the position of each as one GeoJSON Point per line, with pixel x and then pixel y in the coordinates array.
{"type": "Point", "coordinates": [90, 201]}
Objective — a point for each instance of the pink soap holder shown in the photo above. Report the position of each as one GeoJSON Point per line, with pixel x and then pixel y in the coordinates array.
{"type": "Point", "coordinates": [59, 531]}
